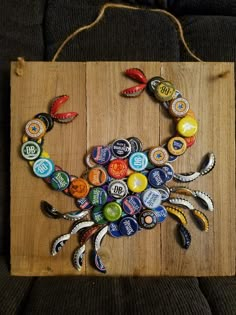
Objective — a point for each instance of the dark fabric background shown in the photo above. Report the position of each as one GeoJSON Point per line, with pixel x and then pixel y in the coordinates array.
{"type": "Point", "coordinates": [34, 29]}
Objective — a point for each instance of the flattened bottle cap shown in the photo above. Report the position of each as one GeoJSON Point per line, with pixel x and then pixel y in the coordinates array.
{"type": "Point", "coordinates": [164, 91]}
{"type": "Point", "coordinates": [101, 154]}
{"type": "Point", "coordinates": [113, 230]}
{"type": "Point", "coordinates": [187, 126]}
{"type": "Point", "coordinates": [157, 177]}
{"type": "Point", "coordinates": [121, 148]}
{"type": "Point", "coordinates": [43, 167]}
{"type": "Point", "coordinates": [79, 188]}
{"type": "Point", "coordinates": [177, 145]}
{"type": "Point", "coordinates": [190, 141]}
{"type": "Point", "coordinates": [117, 189]}
{"type": "Point", "coordinates": [169, 171]}
{"type": "Point", "coordinates": [97, 176]}
{"type": "Point", "coordinates": [161, 213]}
{"type": "Point", "coordinates": [117, 169]}
{"type": "Point", "coordinates": [151, 198]}
{"type": "Point", "coordinates": [112, 211]}
{"type": "Point", "coordinates": [164, 191]}
{"type": "Point", "coordinates": [179, 107]}
{"type": "Point", "coordinates": [158, 156]}
{"type": "Point", "coordinates": [132, 205]}
{"type": "Point", "coordinates": [60, 180]}
{"type": "Point", "coordinates": [89, 161]}
{"type": "Point", "coordinates": [152, 84]}
{"type": "Point", "coordinates": [97, 196]}
{"type": "Point", "coordinates": [97, 215]}
{"type": "Point", "coordinates": [83, 204]}
{"type": "Point", "coordinates": [147, 219]}
{"type": "Point", "coordinates": [128, 226]}
{"type": "Point", "coordinates": [47, 119]}
{"type": "Point", "coordinates": [138, 161]}
{"type": "Point", "coordinates": [137, 182]}
{"type": "Point", "coordinates": [136, 144]}
{"type": "Point", "coordinates": [35, 129]}
{"type": "Point", "coordinates": [30, 150]}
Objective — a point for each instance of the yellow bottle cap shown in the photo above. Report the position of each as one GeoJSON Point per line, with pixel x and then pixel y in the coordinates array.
{"type": "Point", "coordinates": [164, 91]}
{"type": "Point", "coordinates": [187, 126]}
{"type": "Point", "coordinates": [179, 107]}
{"type": "Point", "coordinates": [45, 154]}
{"type": "Point", "coordinates": [137, 182]}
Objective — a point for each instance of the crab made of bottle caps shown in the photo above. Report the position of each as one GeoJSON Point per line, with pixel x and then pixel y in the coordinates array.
{"type": "Point", "coordinates": [125, 188]}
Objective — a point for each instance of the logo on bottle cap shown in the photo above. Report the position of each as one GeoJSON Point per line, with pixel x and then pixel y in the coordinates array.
{"type": "Point", "coordinates": [177, 145]}
{"type": "Point", "coordinates": [138, 161]}
{"type": "Point", "coordinates": [79, 188]}
{"type": "Point", "coordinates": [97, 176]}
{"type": "Point", "coordinates": [101, 154]}
{"type": "Point", "coordinates": [179, 107]}
{"type": "Point", "coordinates": [97, 196]}
{"type": "Point", "coordinates": [30, 150]}
{"type": "Point", "coordinates": [151, 198]}
{"type": "Point", "coordinates": [164, 91]}
{"type": "Point", "coordinates": [35, 128]}
{"type": "Point", "coordinates": [60, 180]}
{"type": "Point", "coordinates": [137, 182]}
{"type": "Point", "coordinates": [128, 226]}
{"type": "Point", "coordinates": [147, 219]}
{"type": "Point", "coordinates": [121, 148]}
{"type": "Point", "coordinates": [161, 213]}
{"type": "Point", "coordinates": [117, 189]}
{"type": "Point", "coordinates": [117, 169]}
{"type": "Point", "coordinates": [132, 205]}
{"type": "Point", "coordinates": [43, 167]}
{"type": "Point", "coordinates": [158, 156]}
{"type": "Point", "coordinates": [157, 177]}
{"type": "Point", "coordinates": [112, 211]}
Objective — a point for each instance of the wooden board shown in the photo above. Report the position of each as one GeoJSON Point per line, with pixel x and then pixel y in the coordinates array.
{"type": "Point", "coordinates": [103, 116]}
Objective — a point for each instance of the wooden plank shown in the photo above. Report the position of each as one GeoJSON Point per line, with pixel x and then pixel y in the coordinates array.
{"type": "Point", "coordinates": [104, 115]}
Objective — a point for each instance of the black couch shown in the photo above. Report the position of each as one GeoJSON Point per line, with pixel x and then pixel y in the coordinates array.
{"type": "Point", "coordinates": [34, 29]}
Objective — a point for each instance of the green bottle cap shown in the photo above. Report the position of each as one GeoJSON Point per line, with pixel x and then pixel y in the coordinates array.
{"type": "Point", "coordinates": [112, 211]}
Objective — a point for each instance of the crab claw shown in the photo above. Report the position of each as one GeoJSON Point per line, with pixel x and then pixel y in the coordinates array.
{"type": "Point", "coordinates": [134, 91]}
{"type": "Point", "coordinates": [61, 117]}
{"type": "Point", "coordinates": [136, 74]}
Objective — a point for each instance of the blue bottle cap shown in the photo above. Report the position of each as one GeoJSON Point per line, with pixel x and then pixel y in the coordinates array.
{"type": "Point", "coordinates": [43, 167]}
{"type": "Point", "coordinates": [132, 205]}
{"type": "Point", "coordinates": [151, 198]}
{"type": "Point", "coordinates": [138, 161]}
{"type": "Point", "coordinates": [113, 230]}
{"type": "Point", "coordinates": [157, 177]}
{"type": "Point", "coordinates": [169, 171]}
{"type": "Point", "coordinates": [83, 204]}
{"type": "Point", "coordinates": [161, 213]}
{"type": "Point", "coordinates": [101, 154]}
{"type": "Point", "coordinates": [128, 226]}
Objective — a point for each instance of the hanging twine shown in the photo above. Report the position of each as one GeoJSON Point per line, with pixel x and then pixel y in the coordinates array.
{"type": "Point", "coordinates": [122, 6]}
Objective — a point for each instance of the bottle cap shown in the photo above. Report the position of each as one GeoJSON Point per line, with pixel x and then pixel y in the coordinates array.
{"type": "Point", "coordinates": [30, 150]}
{"type": "Point", "coordinates": [179, 107]}
{"type": "Point", "coordinates": [151, 198]}
{"type": "Point", "coordinates": [112, 211]}
{"type": "Point", "coordinates": [25, 138]}
{"type": "Point", "coordinates": [169, 171]}
{"type": "Point", "coordinates": [132, 205]}
{"type": "Point", "coordinates": [35, 129]}
{"type": "Point", "coordinates": [79, 188]}
{"type": "Point", "coordinates": [97, 196]}
{"type": "Point", "coordinates": [136, 144]}
{"type": "Point", "coordinates": [187, 126]}
{"type": "Point", "coordinates": [43, 167]}
{"type": "Point", "coordinates": [157, 177]}
{"type": "Point", "coordinates": [128, 226]}
{"type": "Point", "coordinates": [158, 156]}
{"type": "Point", "coordinates": [147, 219]}
{"type": "Point", "coordinates": [60, 180]}
{"type": "Point", "coordinates": [117, 189]}
{"type": "Point", "coordinates": [137, 182]}
{"type": "Point", "coordinates": [121, 148]}
{"type": "Point", "coordinates": [152, 84]}
{"type": "Point", "coordinates": [161, 213]}
{"type": "Point", "coordinates": [177, 146]}
{"type": "Point", "coordinates": [101, 154]}
{"type": "Point", "coordinates": [113, 230]}
{"type": "Point", "coordinates": [89, 161]}
{"type": "Point", "coordinates": [97, 215]}
{"type": "Point", "coordinates": [47, 119]}
{"type": "Point", "coordinates": [138, 161]}
{"type": "Point", "coordinates": [117, 168]}
{"type": "Point", "coordinates": [190, 141]}
{"type": "Point", "coordinates": [97, 176]}
{"type": "Point", "coordinates": [164, 191]}
{"type": "Point", "coordinates": [164, 91]}
{"type": "Point", "coordinates": [172, 157]}
{"type": "Point", "coordinates": [83, 204]}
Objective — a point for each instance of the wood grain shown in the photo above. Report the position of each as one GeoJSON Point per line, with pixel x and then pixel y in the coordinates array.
{"type": "Point", "coordinates": [103, 116]}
